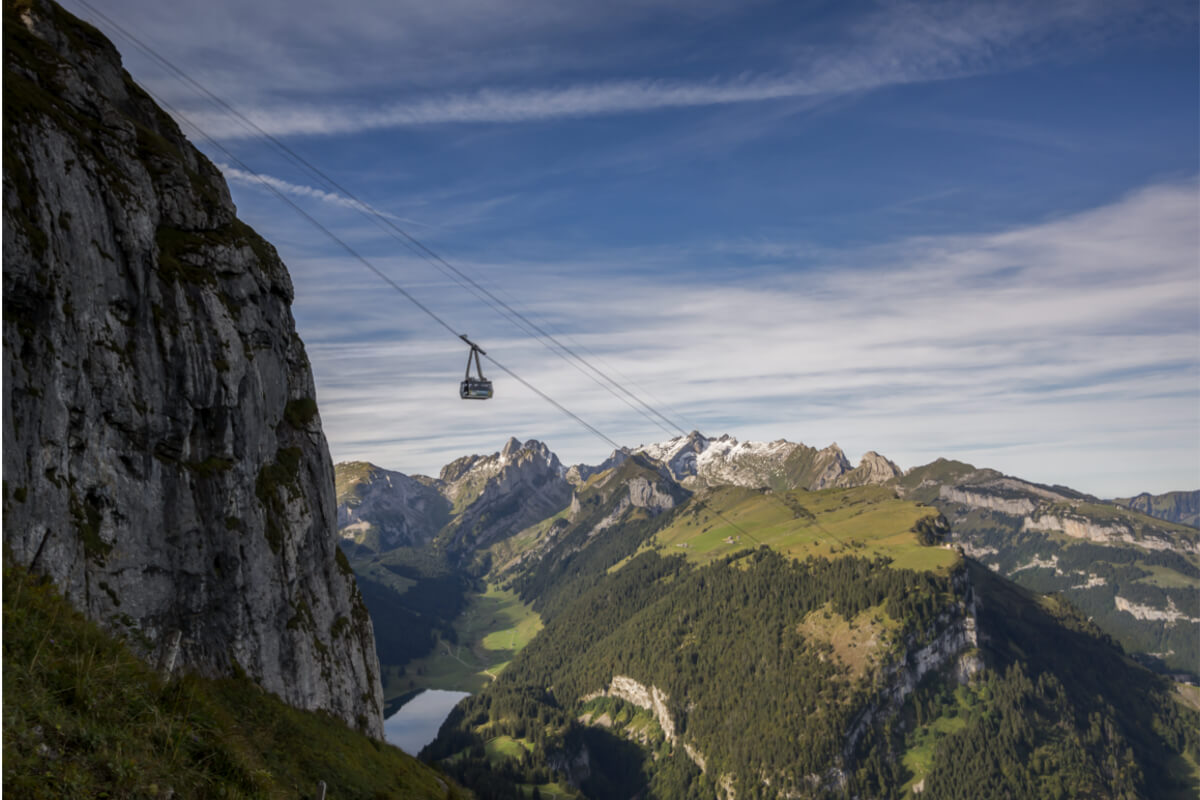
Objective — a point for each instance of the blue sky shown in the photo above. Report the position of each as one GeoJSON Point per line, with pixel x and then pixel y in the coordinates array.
{"type": "Point", "coordinates": [928, 229]}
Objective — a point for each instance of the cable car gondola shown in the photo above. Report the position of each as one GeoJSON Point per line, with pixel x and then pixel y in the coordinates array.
{"type": "Point", "coordinates": [474, 388]}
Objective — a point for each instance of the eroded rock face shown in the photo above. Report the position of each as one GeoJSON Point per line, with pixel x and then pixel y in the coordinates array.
{"type": "Point", "coordinates": [164, 462]}
{"type": "Point", "coordinates": [1013, 506]}
{"type": "Point", "coordinates": [1114, 533]}
{"type": "Point", "coordinates": [379, 509]}
{"type": "Point", "coordinates": [874, 469]}
{"type": "Point", "coordinates": [498, 495]}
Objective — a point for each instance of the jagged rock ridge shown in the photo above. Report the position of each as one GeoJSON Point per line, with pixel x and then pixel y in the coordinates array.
{"type": "Point", "coordinates": [164, 462]}
{"type": "Point", "coordinates": [503, 493]}
{"type": "Point", "coordinates": [476, 500]}
{"type": "Point", "coordinates": [697, 461]}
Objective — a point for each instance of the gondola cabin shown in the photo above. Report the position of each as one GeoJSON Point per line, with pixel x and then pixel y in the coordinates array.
{"type": "Point", "coordinates": [478, 388]}
{"type": "Point", "coordinates": [475, 389]}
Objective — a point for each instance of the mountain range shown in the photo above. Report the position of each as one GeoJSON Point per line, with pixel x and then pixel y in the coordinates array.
{"type": "Point", "coordinates": [893, 587]}
{"type": "Point", "coordinates": [197, 603]}
{"type": "Point", "coordinates": [1132, 572]}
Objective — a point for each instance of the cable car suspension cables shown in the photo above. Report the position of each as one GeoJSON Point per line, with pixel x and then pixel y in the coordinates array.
{"type": "Point", "coordinates": [414, 245]}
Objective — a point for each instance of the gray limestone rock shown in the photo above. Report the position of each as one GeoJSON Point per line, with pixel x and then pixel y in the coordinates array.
{"type": "Point", "coordinates": [874, 469]}
{"type": "Point", "coordinates": [164, 462]}
{"type": "Point", "coordinates": [499, 495]}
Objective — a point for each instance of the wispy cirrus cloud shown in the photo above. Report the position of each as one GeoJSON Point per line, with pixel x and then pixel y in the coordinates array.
{"type": "Point", "coordinates": [900, 43]}
{"type": "Point", "coordinates": [1073, 345]}
{"type": "Point", "coordinates": [272, 183]}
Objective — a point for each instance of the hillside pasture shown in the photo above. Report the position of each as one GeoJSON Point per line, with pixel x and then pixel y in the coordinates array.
{"type": "Point", "coordinates": [494, 628]}
{"type": "Point", "coordinates": [866, 521]}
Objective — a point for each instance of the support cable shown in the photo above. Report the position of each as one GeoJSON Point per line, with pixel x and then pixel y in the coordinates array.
{"type": "Point", "coordinates": [464, 280]}
{"type": "Point", "coordinates": [416, 246]}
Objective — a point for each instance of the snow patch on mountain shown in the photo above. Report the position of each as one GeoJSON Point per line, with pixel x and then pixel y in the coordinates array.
{"type": "Point", "coordinates": [696, 461]}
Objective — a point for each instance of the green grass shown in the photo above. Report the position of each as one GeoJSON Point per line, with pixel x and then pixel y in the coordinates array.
{"type": "Point", "coordinates": [346, 477]}
{"type": "Point", "coordinates": [84, 717]}
{"type": "Point", "coordinates": [918, 758]}
{"type": "Point", "coordinates": [868, 521]}
{"type": "Point", "coordinates": [1167, 578]}
{"type": "Point", "coordinates": [859, 644]}
{"type": "Point", "coordinates": [495, 627]}
{"type": "Point", "coordinates": [507, 747]}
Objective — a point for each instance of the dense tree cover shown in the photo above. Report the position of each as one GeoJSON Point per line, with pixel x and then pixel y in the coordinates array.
{"type": "Point", "coordinates": [1025, 740]}
{"type": "Point", "coordinates": [1060, 711]}
{"type": "Point", "coordinates": [413, 597]}
{"type": "Point", "coordinates": [724, 643]}
{"type": "Point", "coordinates": [1094, 717]}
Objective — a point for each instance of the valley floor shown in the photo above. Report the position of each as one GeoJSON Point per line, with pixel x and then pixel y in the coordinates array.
{"type": "Point", "coordinates": [495, 626]}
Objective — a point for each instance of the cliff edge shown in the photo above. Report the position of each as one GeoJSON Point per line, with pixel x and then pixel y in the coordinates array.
{"type": "Point", "coordinates": [164, 463]}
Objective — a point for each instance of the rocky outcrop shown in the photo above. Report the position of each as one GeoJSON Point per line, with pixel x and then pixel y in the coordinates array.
{"type": "Point", "coordinates": [829, 465]}
{"type": "Point", "coordinates": [653, 496]}
{"type": "Point", "coordinates": [953, 646]}
{"type": "Point", "coordinates": [874, 469]}
{"type": "Point", "coordinates": [1114, 533]}
{"type": "Point", "coordinates": [1170, 615]}
{"type": "Point", "coordinates": [579, 473]}
{"type": "Point", "coordinates": [164, 462]}
{"type": "Point", "coordinates": [494, 497]}
{"type": "Point", "coordinates": [380, 510]}
{"type": "Point", "coordinates": [650, 698]}
{"type": "Point", "coordinates": [1013, 506]}
{"type": "Point", "coordinates": [655, 701]}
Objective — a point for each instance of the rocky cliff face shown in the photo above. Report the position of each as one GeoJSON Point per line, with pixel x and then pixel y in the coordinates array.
{"type": "Point", "coordinates": [380, 510]}
{"type": "Point", "coordinates": [1013, 506]}
{"type": "Point", "coordinates": [1113, 533]}
{"type": "Point", "coordinates": [163, 459]}
{"type": "Point", "coordinates": [635, 487]}
{"type": "Point", "coordinates": [498, 495]}
{"type": "Point", "coordinates": [874, 469]}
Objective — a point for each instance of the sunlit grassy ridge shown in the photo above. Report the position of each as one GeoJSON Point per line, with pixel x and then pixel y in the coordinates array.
{"type": "Point", "coordinates": [84, 717]}
{"type": "Point", "coordinates": [347, 476]}
{"type": "Point", "coordinates": [869, 521]}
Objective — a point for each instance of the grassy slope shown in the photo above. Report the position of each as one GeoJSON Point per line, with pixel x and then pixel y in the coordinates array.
{"type": "Point", "coordinates": [869, 520]}
{"type": "Point", "coordinates": [494, 628]}
{"type": "Point", "coordinates": [83, 717]}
